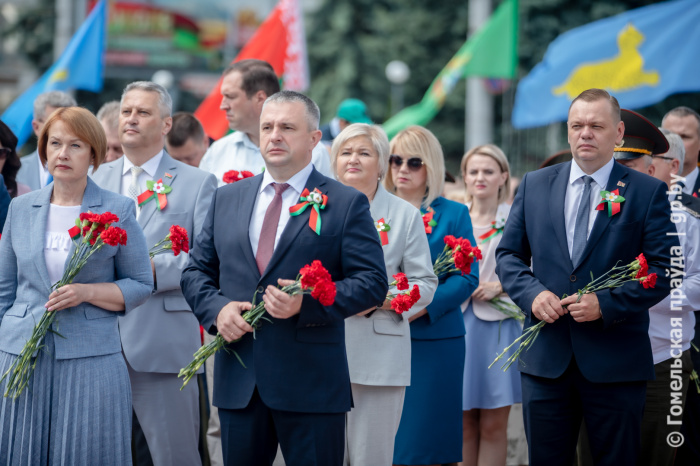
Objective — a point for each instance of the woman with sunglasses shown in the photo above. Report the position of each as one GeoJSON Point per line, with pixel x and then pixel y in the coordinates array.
{"type": "Point", "coordinates": [488, 394]}
{"type": "Point", "coordinates": [430, 431]}
{"type": "Point", "coordinates": [378, 340]}
{"type": "Point", "coordinates": [9, 162]}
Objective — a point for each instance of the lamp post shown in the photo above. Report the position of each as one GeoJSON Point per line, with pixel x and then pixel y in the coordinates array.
{"type": "Point", "coordinates": [397, 72]}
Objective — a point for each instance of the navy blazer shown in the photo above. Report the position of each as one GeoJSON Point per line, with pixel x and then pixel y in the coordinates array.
{"type": "Point", "coordinates": [298, 364]}
{"type": "Point", "coordinates": [615, 348]}
{"type": "Point", "coordinates": [444, 318]}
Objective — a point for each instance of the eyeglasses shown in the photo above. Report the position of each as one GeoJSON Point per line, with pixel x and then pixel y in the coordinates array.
{"type": "Point", "coordinates": [414, 163]}
{"type": "Point", "coordinates": [4, 152]}
{"type": "Point", "coordinates": [662, 157]}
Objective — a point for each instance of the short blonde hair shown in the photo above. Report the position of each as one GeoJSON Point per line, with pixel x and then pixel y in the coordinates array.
{"type": "Point", "coordinates": [84, 125]}
{"type": "Point", "coordinates": [376, 136]}
{"type": "Point", "coordinates": [495, 152]}
{"type": "Point", "coordinates": [416, 141]}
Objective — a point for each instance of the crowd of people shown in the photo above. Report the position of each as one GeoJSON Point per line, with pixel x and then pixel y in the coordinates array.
{"type": "Point", "coordinates": [608, 380]}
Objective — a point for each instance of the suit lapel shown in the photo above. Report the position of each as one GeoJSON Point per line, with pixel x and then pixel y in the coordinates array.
{"type": "Point", "coordinates": [113, 178]}
{"type": "Point", "coordinates": [602, 220]}
{"type": "Point", "coordinates": [296, 224]}
{"type": "Point", "coordinates": [558, 183]}
{"type": "Point", "coordinates": [37, 225]}
{"type": "Point", "coordinates": [167, 164]}
{"type": "Point", "coordinates": [378, 207]}
{"type": "Point", "coordinates": [247, 205]}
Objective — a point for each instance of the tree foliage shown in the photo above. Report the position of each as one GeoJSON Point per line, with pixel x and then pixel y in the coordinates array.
{"type": "Point", "coordinates": [351, 41]}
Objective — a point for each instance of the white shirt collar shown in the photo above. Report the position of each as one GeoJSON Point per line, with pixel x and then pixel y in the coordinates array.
{"type": "Point", "coordinates": [149, 167]}
{"type": "Point", "coordinates": [690, 181]}
{"type": "Point", "coordinates": [601, 176]}
{"type": "Point", "coordinates": [297, 182]}
{"type": "Point", "coordinates": [239, 137]}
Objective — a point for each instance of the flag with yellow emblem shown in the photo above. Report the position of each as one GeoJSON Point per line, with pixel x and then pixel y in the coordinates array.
{"type": "Point", "coordinates": [80, 66]}
{"type": "Point", "coordinates": [640, 57]}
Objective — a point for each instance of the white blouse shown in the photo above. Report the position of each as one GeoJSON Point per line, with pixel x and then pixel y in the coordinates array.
{"type": "Point", "coordinates": [57, 243]}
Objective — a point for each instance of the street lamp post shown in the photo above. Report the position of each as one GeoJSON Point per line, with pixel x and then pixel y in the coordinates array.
{"type": "Point", "coordinates": [397, 72]}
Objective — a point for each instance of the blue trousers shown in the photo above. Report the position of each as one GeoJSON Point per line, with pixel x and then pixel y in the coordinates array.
{"type": "Point", "coordinates": [249, 436]}
{"type": "Point", "coordinates": [553, 410]}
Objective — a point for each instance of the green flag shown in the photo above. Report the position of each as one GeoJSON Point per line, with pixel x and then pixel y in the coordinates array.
{"type": "Point", "coordinates": [491, 52]}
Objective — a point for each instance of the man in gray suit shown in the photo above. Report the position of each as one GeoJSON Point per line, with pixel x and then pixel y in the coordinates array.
{"type": "Point", "coordinates": [160, 336]}
{"type": "Point", "coordinates": [33, 173]}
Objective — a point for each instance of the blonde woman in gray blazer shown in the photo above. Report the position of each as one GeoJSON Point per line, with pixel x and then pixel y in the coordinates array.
{"type": "Point", "coordinates": [378, 341]}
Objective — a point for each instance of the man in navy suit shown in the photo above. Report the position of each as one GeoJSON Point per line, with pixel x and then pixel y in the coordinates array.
{"type": "Point", "coordinates": [295, 387]}
{"type": "Point", "coordinates": [592, 359]}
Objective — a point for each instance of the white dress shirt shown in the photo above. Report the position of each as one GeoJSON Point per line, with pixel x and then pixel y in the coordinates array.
{"type": "Point", "coordinates": [237, 152]}
{"type": "Point", "coordinates": [573, 197]}
{"type": "Point", "coordinates": [690, 181]}
{"type": "Point", "coordinates": [149, 171]}
{"type": "Point", "coordinates": [290, 197]}
{"type": "Point", "coordinates": [661, 314]}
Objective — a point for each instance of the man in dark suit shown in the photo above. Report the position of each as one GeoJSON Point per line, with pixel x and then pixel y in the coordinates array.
{"type": "Point", "coordinates": [295, 386]}
{"type": "Point", "coordinates": [593, 358]}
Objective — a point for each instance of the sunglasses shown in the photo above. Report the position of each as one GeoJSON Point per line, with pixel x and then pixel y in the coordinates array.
{"type": "Point", "coordinates": [662, 157]}
{"type": "Point", "coordinates": [5, 152]}
{"type": "Point", "coordinates": [414, 163]}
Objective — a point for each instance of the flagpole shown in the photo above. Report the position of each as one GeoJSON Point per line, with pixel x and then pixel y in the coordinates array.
{"type": "Point", "coordinates": [479, 103]}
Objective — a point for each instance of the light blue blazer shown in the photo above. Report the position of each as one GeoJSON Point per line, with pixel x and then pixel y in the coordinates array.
{"type": "Point", "coordinates": [24, 280]}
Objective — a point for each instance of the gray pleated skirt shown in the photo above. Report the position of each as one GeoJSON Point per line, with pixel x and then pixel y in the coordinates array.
{"type": "Point", "coordinates": [73, 412]}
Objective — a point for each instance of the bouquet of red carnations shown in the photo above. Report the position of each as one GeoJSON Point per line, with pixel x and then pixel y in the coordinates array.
{"type": "Point", "coordinates": [635, 271]}
{"type": "Point", "coordinates": [176, 240]}
{"type": "Point", "coordinates": [458, 255]}
{"type": "Point", "coordinates": [90, 233]}
{"type": "Point", "coordinates": [313, 279]}
{"type": "Point", "coordinates": [402, 302]}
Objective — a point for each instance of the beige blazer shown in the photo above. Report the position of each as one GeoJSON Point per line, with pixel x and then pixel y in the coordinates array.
{"type": "Point", "coordinates": [379, 347]}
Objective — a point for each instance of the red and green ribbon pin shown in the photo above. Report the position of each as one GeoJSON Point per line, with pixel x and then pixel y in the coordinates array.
{"type": "Point", "coordinates": [428, 221]}
{"type": "Point", "coordinates": [497, 227]}
{"type": "Point", "coordinates": [613, 201]}
{"type": "Point", "coordinates": [317, 201]}
{"type": "Point", "coordinates": [156, 190]}
{"type": "Point", "coordinates": [382, 228]}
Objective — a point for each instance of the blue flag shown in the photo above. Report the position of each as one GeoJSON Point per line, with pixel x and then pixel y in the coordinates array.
{"type": "Point", "coordinates": [80, 66]}
{"type": "Point", "coordinates": [640, 57]}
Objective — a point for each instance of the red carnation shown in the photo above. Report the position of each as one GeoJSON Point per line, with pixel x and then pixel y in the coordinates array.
{"type": "Point", "coordinates": [643, 266]}
{"type": "Point", "coordinates": [451, 241]}
{"type": "Point", "coordinates": [113, 236]}
{"type": "Point", "coordinates": [313, 274]}
{"type": "Point", "coordinates": [230, 176]}
{"type": "Point", "coordinates": [324, 291]}
{"type": "Point", "coordinates": [401, 281]}
{"type": "Point", "coordinates": [401, 303]}
{"type": "Point", "coordinates": [649, 281]}
{"type": "Point", "coordinates": [108, 218]}
{"type": "Point", "coordinates": [415, 295]}
{"type": "Point", "coordinates": [179, 239]}
{"type": "Point", "coordinates": [90, 217]}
